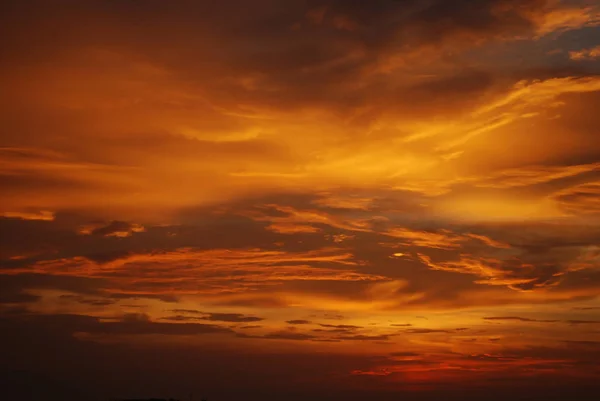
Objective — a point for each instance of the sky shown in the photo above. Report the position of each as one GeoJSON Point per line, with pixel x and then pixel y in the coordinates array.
{"type": "Point", "coordinates": [300, 199]}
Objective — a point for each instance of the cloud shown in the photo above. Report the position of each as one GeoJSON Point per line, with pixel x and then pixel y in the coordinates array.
{"type": "Point", "coordinates": [579, 200]}
{"type": "Point", "coordinates": [520, 319]}
{"type": "Point", "coordinates": [87, 301]}
{"type": "Point", "coordinates": [71, 284]}
{"type": "Point", "coordinates": [113, 229]}
{"type": "Point", "coordinates": [286, 216]}
{"type": "Point", "coordinates": [281, 335]}
{"type": "Point", "coordinates": [531, 175]}
{"type": "Point", "coordinates": [342, 331]}
{"type": "Point", "coordinates": [363, 337]}
{"type": "Point", "coordinates": [191, 311]}
{"type": "Point", "coordinates": [213, 271]}
{"type": "Point", "coordinates": [341, 326]}
{"type": "Point", "coordinates": [216, 317]}
{"type": "Point", "coordinates": [298, 321]}
{"type": "Point", "coordinates": [231, 317]}
{"type": "Point", "coordinates": [252, 145]}
{"type": "Point", "coordinates": [576, 322]}
{"type": "Point", "coordinates": [169, 298]}
{"type": "Point", "coordinates": [442, 240]}
{"type": "Point", "coordinates": [585, 344]}
{"type": "Point", "coordinates": [42, 215]}
{"type": "Point", "coordinates": [568, 18]}
{"type": "Point", "coordinates": [404, 354]}
{"type": "Point", "coordinates": [493, 272]}
{"type": "Point", "coordinates": [585, 54]}
{"type": "Point", "coordinates": [292, 228]}
{"type": "Point", "coordinates": [436, 21]}
{"type": "Point", "coordinates": [181, 318]}
{"type": "Point", "coordinates": [136, 328]}
{"type": "Point", "coordinates": [426, 331]}
{"type": "Point", "coordinates": [129, 324]}
{"type": "Point", "coordinates": [539, 256]}
{"type": "Point", "coordinates": [17, 297]}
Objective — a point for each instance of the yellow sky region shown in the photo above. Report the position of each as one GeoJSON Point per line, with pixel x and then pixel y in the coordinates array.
{"type": "Point", "coordinates": [288, 152]}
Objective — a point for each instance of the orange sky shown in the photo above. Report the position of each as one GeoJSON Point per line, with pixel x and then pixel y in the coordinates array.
{"type": "Point", "coordinates": [301, 198]}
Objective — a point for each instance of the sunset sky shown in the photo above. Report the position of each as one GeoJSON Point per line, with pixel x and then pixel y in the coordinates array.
{"type": "Point", "coordinates": [300, 199]}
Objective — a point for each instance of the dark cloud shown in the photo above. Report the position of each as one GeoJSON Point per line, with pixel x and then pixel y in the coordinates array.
{"type": "Point", "coordinates": [488, 358]}
{"type": "Point", "coordinates": [426, 331]}
{"type": "Point", "coordinates": [543, 256]}
{"type": "Point", "coordinates": [33, 281]}
{"type": "Point", "coordinates": [191, 311]}
{"type": "Point", "coordinates": [47, 240]}
{"type": "Point", "coordinates": [341, 326]}
{"type": "Point", "coordinates": [363, 337]}
{"type": "Point", "coordinates": [546, 253]}
{"type": "Point", "coordinates": [163, 297]}
{"type": "Point", "coordinates": [333, 316]}
{"type": "Point", "coordinates": [231, 317]}
{"type": "Point", "coordinates": [87, 301]}
{"type": "Point", "coordinates": [215, 317]}
{"type": "Point", "coordinates": [404, 354]}
{"type": "Point", "coordinates": [130, 324]}
{"type": "Point", "coordinates": [281, 335]}
{"type": "Point", "coordinates": [17, 297]}
{"type": "Point", "coordinates": [158, 368]}
{"type": "Point", "coordinates": [333, 330]}
{"type": "Point", "coordinates": [583, 343]}
{"type": "Point", "coordinates": [520, 319]}
{"type": "Point", "coordinates": [181, 318]}
{"type": "Point", "coordinates": [298, 321]}
{"type": "Point", "coordinates": [575, 322]}
{"type": "Point", "coordinates": [287, 52]}
{"type": "Point", "coordinates": [289, 336]}
{"type": "Point", "coordinates": [115, 227]}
